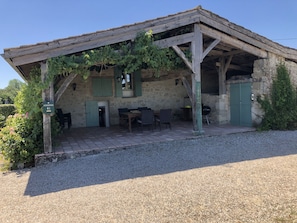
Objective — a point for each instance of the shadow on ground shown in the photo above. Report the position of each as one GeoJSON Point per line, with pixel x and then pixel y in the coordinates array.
{"type": "Point", "coordinates": [161, 158]}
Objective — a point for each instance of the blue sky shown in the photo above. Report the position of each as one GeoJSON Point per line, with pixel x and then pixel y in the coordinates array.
{"type": "Point", "coordinates": [34, 21]}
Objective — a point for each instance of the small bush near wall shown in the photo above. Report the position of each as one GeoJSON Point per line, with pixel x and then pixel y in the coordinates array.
{"type": "Point", "coordinates": [5, 111]}
{"type": "Point", "coordinates": [281, 106]}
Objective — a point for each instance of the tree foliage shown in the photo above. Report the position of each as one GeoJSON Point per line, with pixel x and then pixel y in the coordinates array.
{"type": "Point", "coordinates": [8, 94]}
{"type": "Point", "coordinates": [281, 106]}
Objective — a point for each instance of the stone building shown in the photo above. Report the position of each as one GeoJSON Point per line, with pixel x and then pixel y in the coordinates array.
{"type": "Point", "coordinates": [230, 67]}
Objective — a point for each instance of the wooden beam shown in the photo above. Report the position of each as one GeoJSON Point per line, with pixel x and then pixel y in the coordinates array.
{"type": "Point", "coordinates": [176, 40]}
{"type": "Point", "coordinates": [246, 35]}
{"type": "Point", "coordinates": [224, 64]}
{"type": "Point", "coordinates": [233, 42]}
{"type": "Point", "coordinates": [64, 86]}
{"type": "Point", "coordinates": [227, 64]}
{"type": "Point", "coordinates": [233, 52]}
{"type": "Point", "coordinates": [187, 87]}
{"type": "Point", "coordinates": [235, 67]}
{"type": "Point", "coordinates": [183, 57]}
{"type": "Point", "coordinates": [82, 43]}
{"type": "Point", "coordinates": [47, 96]}
{"type": "Point", "coordinates": [156, 25]}
{"type": "Point", "coordinates": [197, 52]}
{"type": "Point", "coordinates": [210, 47]}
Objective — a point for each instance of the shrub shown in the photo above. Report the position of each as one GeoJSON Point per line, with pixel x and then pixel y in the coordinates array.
{"type": "Point", "coordinates": [21, 139]}
{"type": "Point", "coordinates": [5, 111]}
{"type": "Point", "coordinates": [281, 107]}
{"type": "Point", "coordinates": [22, 136]}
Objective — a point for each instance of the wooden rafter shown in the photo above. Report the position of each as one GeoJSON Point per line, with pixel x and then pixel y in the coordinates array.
{"type": "Point", "coordinates": [64, 86]}
{"type": "Point", "coordinates": [210, 47]}
{"type": "Point", "coordinates": [187, 87]}
{"type": "Point", "coordinates": [174, 41]}
{"type": "Point", "coordinates": [233, 42]}
{"type": "Point", "coordinates": [183, 57]}
{"type": "Point", "coordinates": [235, 67]}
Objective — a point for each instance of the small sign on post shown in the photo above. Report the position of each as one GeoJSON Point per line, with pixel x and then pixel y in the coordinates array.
{"type": "Point", "coordinates": [48, 108]}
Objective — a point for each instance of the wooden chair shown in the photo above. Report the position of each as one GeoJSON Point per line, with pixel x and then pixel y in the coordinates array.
{"type": "Point", "coordinates": [164, 118]}
{"type": "Point", "coordinates": [146, 119]}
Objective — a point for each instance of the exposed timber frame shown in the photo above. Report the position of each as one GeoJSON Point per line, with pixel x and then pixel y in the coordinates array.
{"type": "Point", "coordinates": [47, 96]}
{"type": "Point", "coordinates": [223, 67]}
{"type": "Point", "coordinates": [64, 86]}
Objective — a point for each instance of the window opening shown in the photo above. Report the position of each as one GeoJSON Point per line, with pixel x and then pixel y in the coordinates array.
{"type": "Point", "coordinates": [127, 82]}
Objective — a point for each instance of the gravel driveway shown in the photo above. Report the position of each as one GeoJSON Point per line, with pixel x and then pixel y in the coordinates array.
{"type": "Point", "coordinates": [246, 177]}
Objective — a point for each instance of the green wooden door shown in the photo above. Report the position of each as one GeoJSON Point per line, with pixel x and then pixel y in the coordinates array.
{"type": "Point", "coordinates": [240, 104]}
{"type": "Point", "coordinates": [92, 114]}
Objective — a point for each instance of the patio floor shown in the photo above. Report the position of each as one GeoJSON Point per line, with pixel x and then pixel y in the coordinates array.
{"type": "Point", "coordinates": [77, 142]}
{"type": "Point", "coordinates": [91, 138]}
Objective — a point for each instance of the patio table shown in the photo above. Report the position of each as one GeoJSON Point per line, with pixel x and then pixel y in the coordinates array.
{"type": "Point", "coordinates": [134, 114]}
{"type": "Point", "coordinates": [131, 116]}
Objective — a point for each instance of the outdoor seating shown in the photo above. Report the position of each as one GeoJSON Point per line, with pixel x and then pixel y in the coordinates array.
{"type": "Point", "coordinates": [143, 108]}
{"type": "Point", "coordinates": [146, 119]}
{"type": "Point", "coordinates": [205, 112]}
{"type": "Point", "coordinates": [62, 118]}
{"type": "Point", "coordinates": [164, 118]}
{"type": "Point", "coordinates": [123, 120]}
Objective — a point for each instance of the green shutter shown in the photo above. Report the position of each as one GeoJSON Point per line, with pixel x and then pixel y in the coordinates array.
{"type": "Point", "coordinates": [106, 87]}
{"type": "Point", "coordinates": [96, 85]}
{"type": "Point", "coordinates": [102, 87]}
{"type": "Point", "coordinates": [117, 84]}
{"type": "Point", "coordinates": [137, 83]}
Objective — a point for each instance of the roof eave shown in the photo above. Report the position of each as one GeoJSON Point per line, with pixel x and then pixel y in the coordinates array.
{"type": "Point", "coordinates": [17, 69]}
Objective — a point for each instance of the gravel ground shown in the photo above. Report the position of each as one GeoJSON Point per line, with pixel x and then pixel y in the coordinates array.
{"type": "Point", "coordinates": [246, 177]}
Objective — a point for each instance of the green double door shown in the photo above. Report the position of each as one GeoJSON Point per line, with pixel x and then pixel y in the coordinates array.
{"type": "Point", "coordinates": [240, 104]}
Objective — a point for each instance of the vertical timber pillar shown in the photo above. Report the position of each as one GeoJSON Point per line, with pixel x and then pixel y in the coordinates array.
{"type": "Point", "coordinates": [47, 95]}
{"type": "Point", "coordinates": [197, 51]}
{"type": "Point", "coordinates": [222, 77]}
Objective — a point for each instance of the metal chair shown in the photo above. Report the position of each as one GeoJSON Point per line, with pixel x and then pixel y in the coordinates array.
{"type": "Point", "coordinates": [146, 119]}
{"type": "Point", "coordinates": [164, 117]}
{"type": "Point", "coordinates": [205, 112]}
{"type": "Point", "coordinates": [62, 118]}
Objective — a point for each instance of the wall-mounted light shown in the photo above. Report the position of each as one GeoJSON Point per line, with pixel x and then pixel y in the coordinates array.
{"type": "Point", "coordinates": [74, 86]}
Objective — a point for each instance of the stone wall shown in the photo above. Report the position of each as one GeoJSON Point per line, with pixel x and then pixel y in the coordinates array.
{"type": "Point", "coordinates": [265, 70]}
{"type": "Point", "coordinates": [155, 94]}
{"type": "Point", "coordinates": [214, 102]}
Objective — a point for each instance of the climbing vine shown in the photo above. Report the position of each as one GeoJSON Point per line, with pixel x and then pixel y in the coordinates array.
{"type": "Point", "coordinates": [131, 56]}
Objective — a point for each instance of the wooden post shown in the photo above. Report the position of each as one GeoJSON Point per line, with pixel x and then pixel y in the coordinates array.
{"type": "Point", "coordinates": [197, 57]}
{"type": "Point", "coordinates": [47, 95]}
{"type": "Point", "coordinates": [224, 64]}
